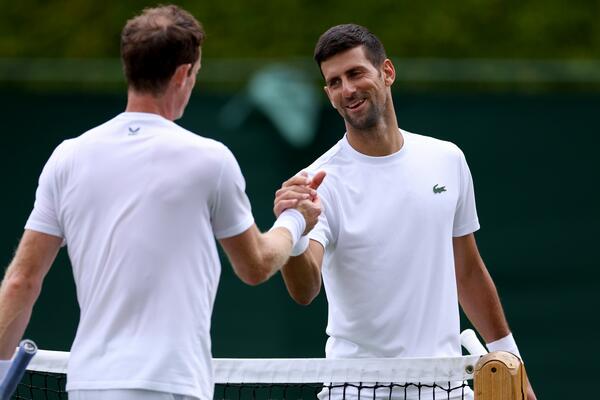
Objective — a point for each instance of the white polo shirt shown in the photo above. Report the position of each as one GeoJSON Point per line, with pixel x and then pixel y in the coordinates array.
{"type": "Point", "coordinates": [139, 202]}
{"type": "Point", "coordinates": [387, 229]}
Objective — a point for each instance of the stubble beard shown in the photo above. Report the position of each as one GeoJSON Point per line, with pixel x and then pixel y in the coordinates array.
{"type": "Point", "coordinates": [366, 122]}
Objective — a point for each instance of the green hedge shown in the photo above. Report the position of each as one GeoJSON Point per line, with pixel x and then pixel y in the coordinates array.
{"type": "Point", "coordinates": [285, 28]}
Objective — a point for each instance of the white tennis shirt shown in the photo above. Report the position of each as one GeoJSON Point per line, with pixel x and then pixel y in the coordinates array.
{"type": "Point", "coordinates": [387, 229]}
{"type": "Point", "coordinates": [139, 201]}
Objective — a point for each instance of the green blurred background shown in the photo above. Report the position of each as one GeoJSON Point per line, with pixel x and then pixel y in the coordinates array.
{"type": "Point", "coordinates": [515, 84]}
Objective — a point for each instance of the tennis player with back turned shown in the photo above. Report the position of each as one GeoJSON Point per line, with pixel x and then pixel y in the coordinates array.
{"type": "Point", "coordinates": [139, 202]}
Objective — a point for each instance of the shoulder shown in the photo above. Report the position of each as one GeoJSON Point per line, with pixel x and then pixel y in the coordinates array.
{"type": "Point", "coordinates": [430, 142]}
{"type": "Point", "coordinates": [329, 161]}
{"type": "Point", "coordinates": [204, 150]}
{"type": "Point", "coordinates": [65, 150]}
{"type": "Point", "coordinates": [430, 146]}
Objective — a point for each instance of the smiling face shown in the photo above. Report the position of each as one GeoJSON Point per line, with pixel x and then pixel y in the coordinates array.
{"type": "Point", "coordinates": [358, 89]}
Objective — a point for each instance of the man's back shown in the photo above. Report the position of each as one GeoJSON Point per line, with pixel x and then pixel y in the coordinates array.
{"type": "Point", "coordinates": [138, 200]}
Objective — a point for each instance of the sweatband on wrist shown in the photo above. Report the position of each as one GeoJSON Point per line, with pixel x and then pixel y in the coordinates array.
{"type": "Point", "coordinates": [300, 246]}
{"type": "Point", "coordinates": [507, 343]}
{"type": "Point", "coordinates": [292, 220]}
{"type": "Point", "coordinates": [4, 366]}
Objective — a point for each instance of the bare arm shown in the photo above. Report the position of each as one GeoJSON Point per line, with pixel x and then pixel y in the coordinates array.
{"type": "Point", "coordinates": [256, 256]}
{"type": "Point", "coordinates": [476, 291]}
{"type": "Point", "coordinates": [477, 294]}
{"type": "Point", "coordinates": [22, 285]}
{"type": "Point", "coordinates": [302, 274]}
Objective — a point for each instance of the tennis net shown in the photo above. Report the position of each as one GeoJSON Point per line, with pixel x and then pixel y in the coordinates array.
{"type": "Point", "coordinates": [384, 378]}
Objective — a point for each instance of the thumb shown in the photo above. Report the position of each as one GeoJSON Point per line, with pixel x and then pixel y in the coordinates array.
{"type": "Point", "coordinates": [317, 179]}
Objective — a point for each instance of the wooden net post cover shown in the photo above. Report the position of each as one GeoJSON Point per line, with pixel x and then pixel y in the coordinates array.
{"type": "Point", "coordinates": [500, 376]}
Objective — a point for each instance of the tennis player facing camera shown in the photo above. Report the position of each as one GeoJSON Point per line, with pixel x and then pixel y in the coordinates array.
{"type": "Point", "coordinates": [139, 202]}
{"type": "Point", "coordinates": [394, 245]}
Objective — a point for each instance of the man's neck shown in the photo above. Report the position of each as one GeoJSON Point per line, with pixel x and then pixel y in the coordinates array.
{"type": "Point", "coordinates": [382, 140]}
{"type": "Point", "coordinates": [147, 103]}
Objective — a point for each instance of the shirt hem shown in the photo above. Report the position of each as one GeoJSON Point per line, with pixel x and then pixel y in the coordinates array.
{"type": "Point", "coordinates": [466, 229]}
{"type": "Point", "coordinates": [318, 238]}
{"type": "Point", "coordinates": [43, 228]}
{"type": "Point", "coordinates": [179, 389]}
{"type": "Point", "coordinates": [235, 230]}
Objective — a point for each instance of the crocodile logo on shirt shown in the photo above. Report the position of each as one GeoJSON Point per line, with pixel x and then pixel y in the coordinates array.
{"type": "Point", "coordinates": [437, 189]}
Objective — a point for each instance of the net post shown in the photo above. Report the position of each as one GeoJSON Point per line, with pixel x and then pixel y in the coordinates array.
{"type": "Point", "coordinates": [500, 376]}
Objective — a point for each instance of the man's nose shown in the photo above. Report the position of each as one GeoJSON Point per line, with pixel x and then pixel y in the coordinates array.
{"type": "Point", "coordinates": [348, 88]}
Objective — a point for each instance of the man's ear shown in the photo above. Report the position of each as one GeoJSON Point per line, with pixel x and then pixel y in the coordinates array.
{"type": "Point", "coordinates": [181, 73]}
{"type": "Point", "coordinates": [389, 72]}
{"type": "Point", "coordinates": [326, 89]}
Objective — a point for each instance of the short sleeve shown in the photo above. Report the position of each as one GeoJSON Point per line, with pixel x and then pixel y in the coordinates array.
{"type": "Point", "coordinates": [231, 213]}
{"type": "Point", "coordinates": [44, 217]}
{"type": "Point", "coordinates": [465, 217]}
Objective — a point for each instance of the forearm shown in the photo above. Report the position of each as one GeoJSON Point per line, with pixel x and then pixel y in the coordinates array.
{"type": "Point", "coordinates": [22, 285]}
{"type": "Point", "coordinates": [256, 256]}
{"type": "Point", "coordinates": [17, 296]}
{"type": "Point", "coordinates": [480, 302]}
{"type": "Point", "coordinates": [274, 251]}
{"type": "Point", "coordinates": [302, 277]}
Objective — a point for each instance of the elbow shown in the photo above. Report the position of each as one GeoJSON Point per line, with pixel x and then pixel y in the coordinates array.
{"type": "Point", "coordinates": [254, 278]}
{"type": "Point", "coordinates": [261, 269]}
{"type": "Point", "coordinates": [303, 300]}
{"type": "Point", "coordinates": [304, 296]}
{"type": "Point", "coordinates": [253, 274]}
{"type": "Point", "coordinates": [18, 285]}
{"type": "Point", "coordinates": [258, 266]}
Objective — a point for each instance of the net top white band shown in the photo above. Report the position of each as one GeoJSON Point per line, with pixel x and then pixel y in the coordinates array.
{"type": "Point", "coordinates": [312, 370]}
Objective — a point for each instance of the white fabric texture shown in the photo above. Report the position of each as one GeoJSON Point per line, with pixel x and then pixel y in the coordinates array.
{"type": "Point", "coordinates": [292, 220]}
{"type": "Point", "coordinates": [310, 370]}
{"type": "Point", "coordinates": [129, 394]}
{"type": "Point", "coordinates": [387, 230]}
{"type": "Point", "coordinates": [507, 343]}
{"type": "Point", "coordinates": [139, 201]}
{"type": "Point", "coordinates": [300, 246]}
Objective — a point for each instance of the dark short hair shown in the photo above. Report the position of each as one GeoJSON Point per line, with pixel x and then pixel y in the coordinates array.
{"type": "Point", "coordinates": [348, 36]}
{"type": "Point", "coordinates": [155, 43]}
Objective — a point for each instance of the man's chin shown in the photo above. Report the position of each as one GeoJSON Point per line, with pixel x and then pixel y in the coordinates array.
{"type": "Point", "coordinates": [360, 123]}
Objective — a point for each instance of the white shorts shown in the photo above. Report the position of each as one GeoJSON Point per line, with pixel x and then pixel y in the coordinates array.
{"type": "Point", "coordinates": [125, 394]}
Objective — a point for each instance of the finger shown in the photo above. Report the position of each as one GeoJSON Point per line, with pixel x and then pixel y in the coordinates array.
{"type": "Point", "coordinates": [283, 205]}
{"type": "Point", "coordinates": [313, 206]}
{"type": "Point", "coordinates": [300, 179]}
{"type": "Point", "coordinates": [292, 196]}
{"type": "Point", "coordinates": [317, 179]}
{"type": "Point", "coordinates": [296, 189]}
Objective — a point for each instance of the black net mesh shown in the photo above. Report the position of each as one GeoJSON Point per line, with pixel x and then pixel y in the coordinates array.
{"type": "Point", "coordinates": [41, 385]}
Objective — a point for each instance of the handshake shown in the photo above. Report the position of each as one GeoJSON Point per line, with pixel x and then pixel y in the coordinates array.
{"type": "Point", "coordinates": [300, 193]}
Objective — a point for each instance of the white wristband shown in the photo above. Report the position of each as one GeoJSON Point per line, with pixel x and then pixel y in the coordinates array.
{"type": "Point", "coordinates": [292, 220]}
{"type": "Point", "coordinates": [4, 366]}
{"type": "Point", "coordinates": [300, 246]}
{"type": "Point", "coordinates": [507, 343]}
